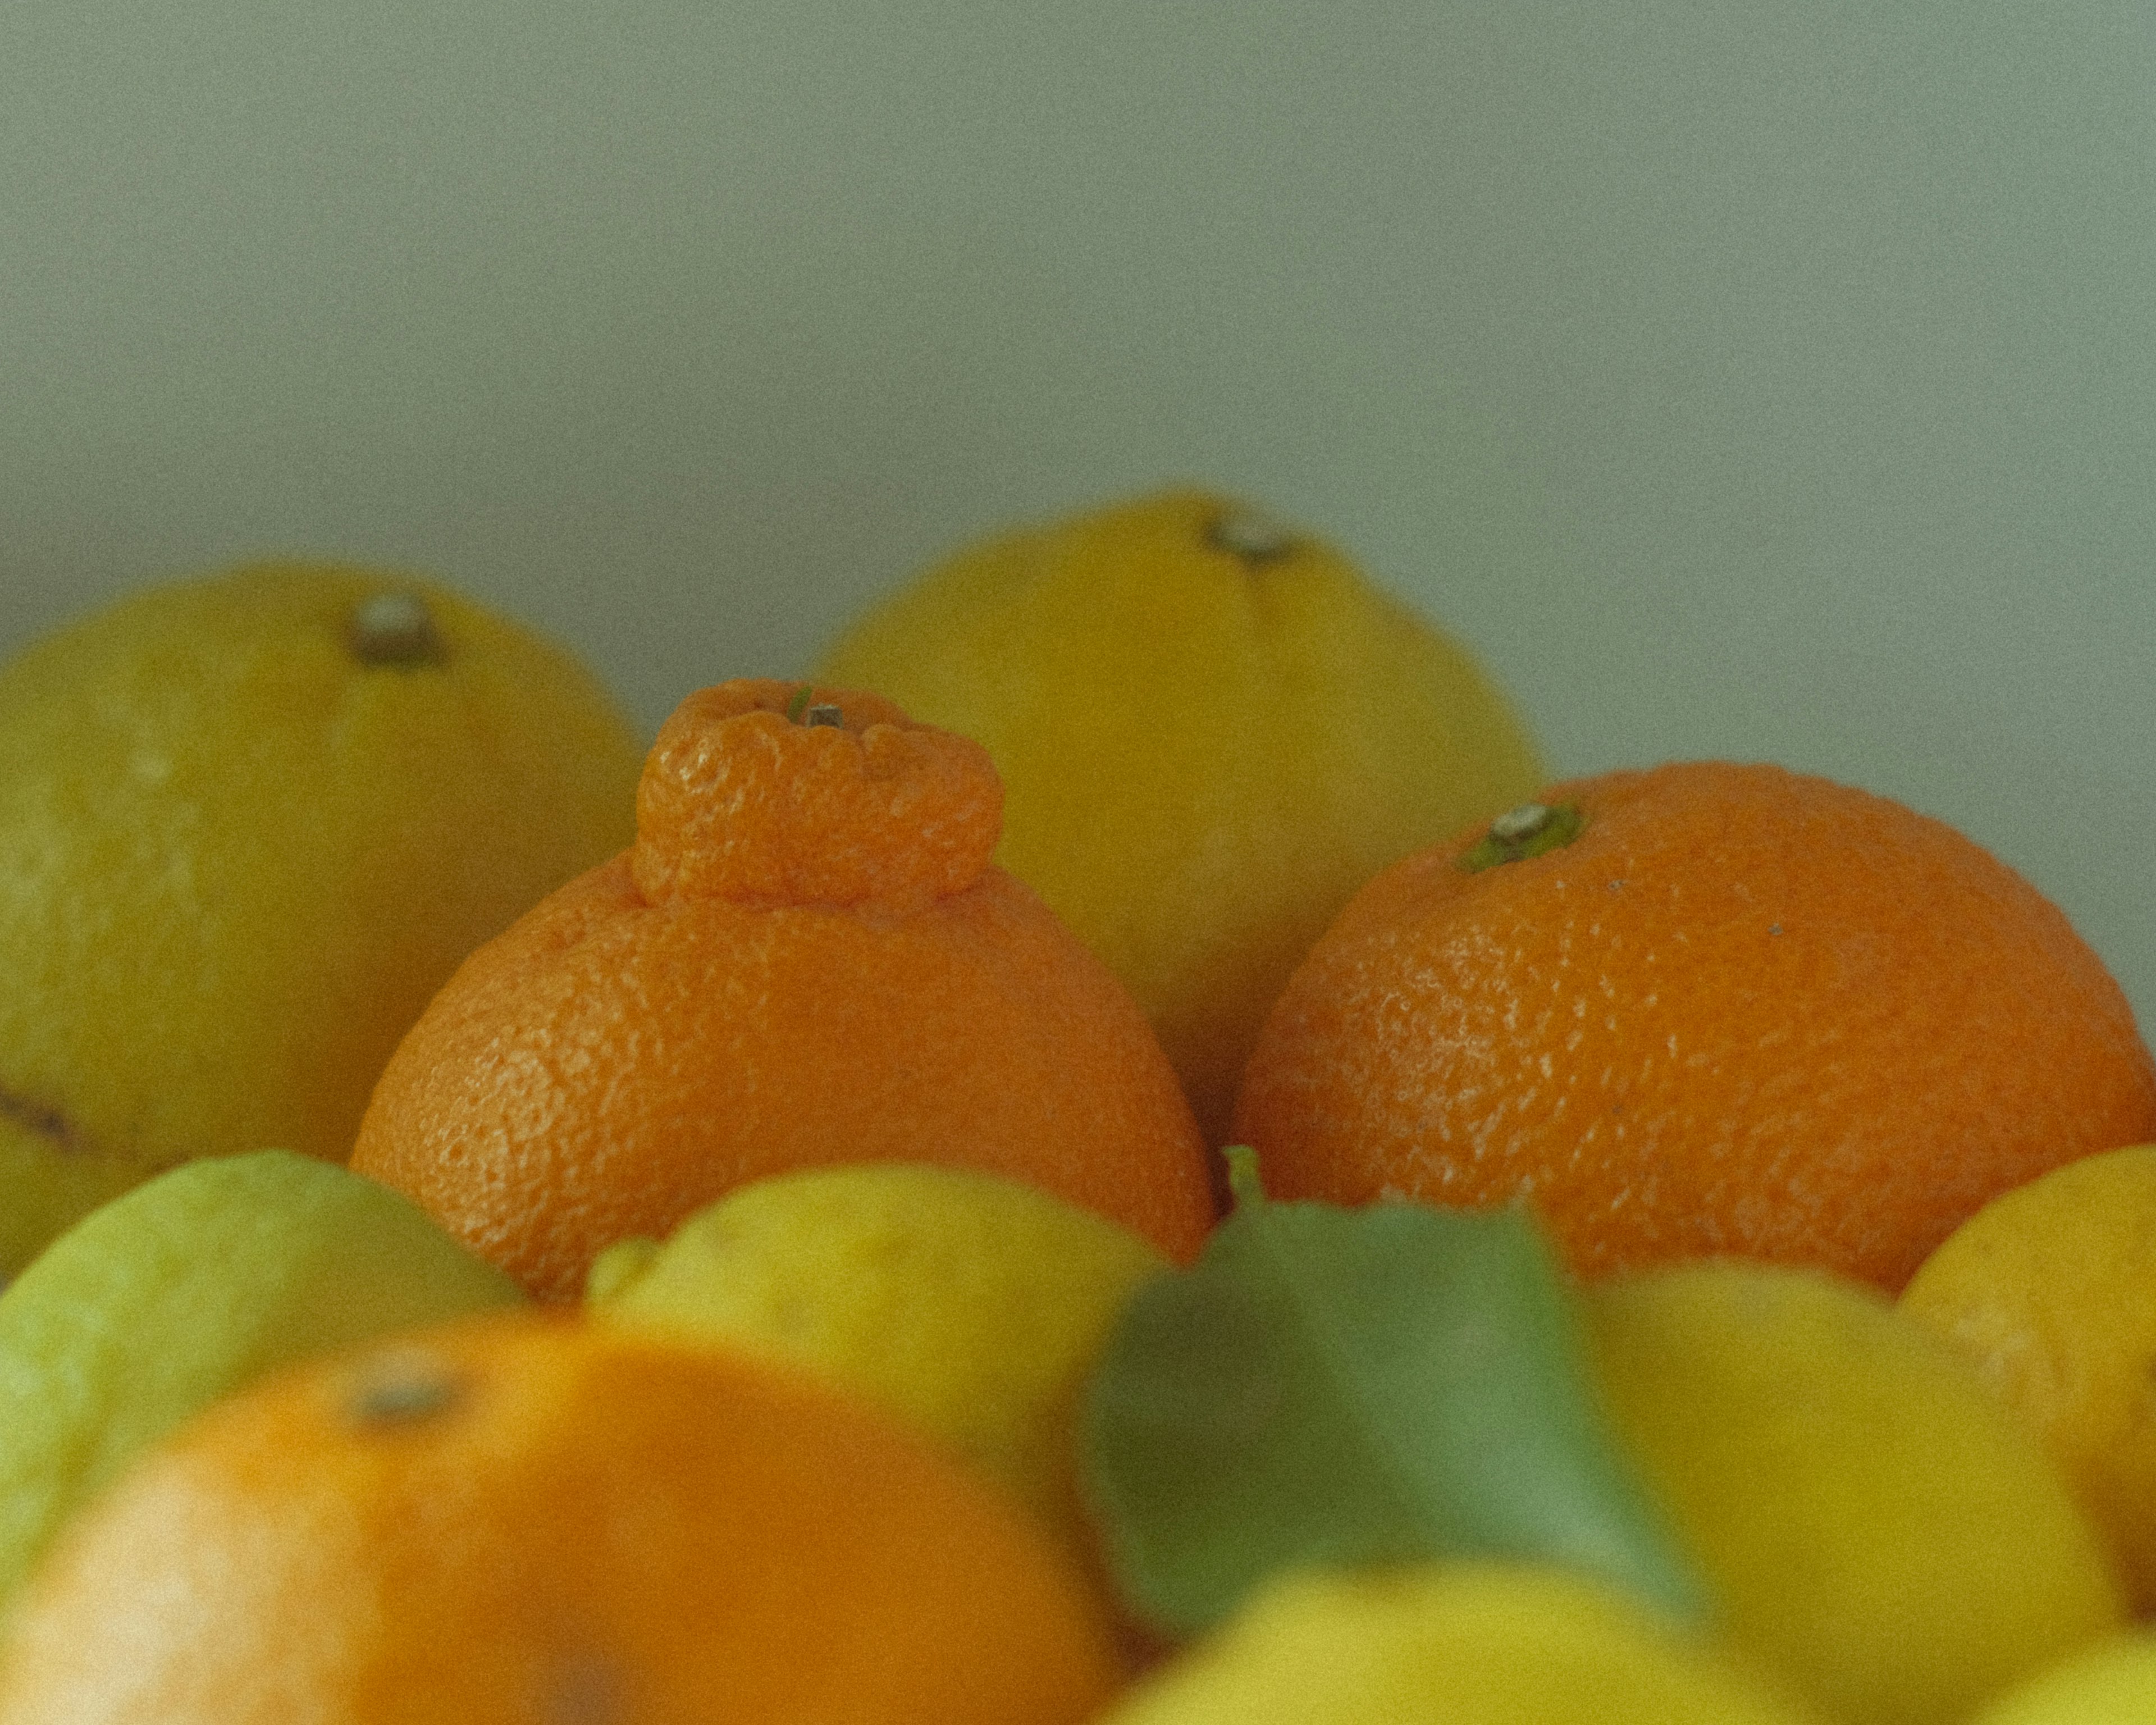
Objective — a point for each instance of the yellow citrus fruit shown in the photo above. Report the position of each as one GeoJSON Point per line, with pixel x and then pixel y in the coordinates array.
{"type": "Point", "coordinates": [2112, 1683]}
{"type": "Point", "coordinates": [1211, 730]}
{"type": "Point", "coordinates": [1471, 1645]}
{"type": "Point", "coordinates": [2051, 1288]}
{"type": "Point", "coordinates": [971, 1305]}
{"type": "Point", "coordinates": [178, 1293]}
{"type": "Point", "coordinates": [514, 1520]}
{"type": "Point", "coordinates": [248, 824]}
{"type": "Point", "coordinates": [1876, 1526]}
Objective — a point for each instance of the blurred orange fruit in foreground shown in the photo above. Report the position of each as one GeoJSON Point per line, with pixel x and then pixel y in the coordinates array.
{"type": "Point", "coordinates": [522, 1519]}
{"type": "Point", "coordinates": [1739, 1010]}
{"type": "Point", "coordinates": [806, 958]}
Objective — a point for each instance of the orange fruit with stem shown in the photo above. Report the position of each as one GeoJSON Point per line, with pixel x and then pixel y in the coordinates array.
{"type": "Point", "coordinates": [806, 958]}
{"type": "Point", "coordinates": [531, 1519]}
{"type": "Point", "coordinates": [1707, 1008]}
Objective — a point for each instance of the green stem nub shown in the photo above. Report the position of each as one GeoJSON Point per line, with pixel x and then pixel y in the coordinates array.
{"type": "Point", "coordinates": [799, 704]}
{"type": "Point", "coordinates": [403, 1392]}
{"type": "Point", "coordinates": [1243, 1183]}
{"type": "Point", "coordinates": [1526, 831]}
{"type": "Point", "coordinates": [395, 629]}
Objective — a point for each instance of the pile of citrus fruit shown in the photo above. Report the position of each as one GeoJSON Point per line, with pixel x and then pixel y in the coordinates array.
{"type": "Point", "coordinates": [1118, 1151]}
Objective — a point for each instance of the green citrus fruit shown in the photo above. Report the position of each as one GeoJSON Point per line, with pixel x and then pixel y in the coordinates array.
{"type": "Point", "coordinates": [183, 1290]}
{"type": "Point", "coordinates": [1211, 731]}
{"type": "Point", "coordinates": [248, 824]}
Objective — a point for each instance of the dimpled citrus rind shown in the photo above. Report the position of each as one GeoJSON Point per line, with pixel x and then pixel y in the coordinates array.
{"type": "Point", "coordinates": [237, 857]}
{"type": "Point", "coordinates": [1746, 1010]}
{"type": "Point", "coordinates": [851, 801]}
{"type": "Point", "coordinates": [1204, 751]}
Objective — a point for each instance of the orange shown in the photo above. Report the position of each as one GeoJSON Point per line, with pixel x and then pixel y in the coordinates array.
{"type": "Point", "coordinates": [806, 958]}
{"type": "Point", "coordinates": [527, 1519]}
{"type": "Point", "coordinates": [1739, 1010]}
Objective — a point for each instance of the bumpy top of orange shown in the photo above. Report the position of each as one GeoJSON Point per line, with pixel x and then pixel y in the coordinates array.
{"type": "Point", "coordinates": [522, 1519]}
{"type": "Point", "coordinates": [758, 789]}
{"type": "Point", "coordinates": [1742, 1010]}
{"type": "Point", "coordinates": [806, 958]}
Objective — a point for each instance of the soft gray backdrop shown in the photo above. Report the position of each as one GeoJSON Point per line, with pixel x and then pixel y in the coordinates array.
{"type": "Point", "coordinates": [1770, 381]}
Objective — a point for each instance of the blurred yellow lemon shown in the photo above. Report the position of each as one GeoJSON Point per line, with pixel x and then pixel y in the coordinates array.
{"type": "Point", "coordinates": [1211, 730]}
{"type": "Point", "coordinates": [971, 1305]}
{"type": "Point", "coordinates": [248, 824]}
{"type": "Point", "coordinates": [1471, 1645]}
{"type": "Point", "coordinates": [2051, 1288]}
{"type": "Point", "coordinates": [2112, 1682]}
{"type": "Point", "coordinates": [1878, 1528]}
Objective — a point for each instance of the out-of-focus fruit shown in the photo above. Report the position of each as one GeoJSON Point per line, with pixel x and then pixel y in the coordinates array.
{"type": "Point", "coordinates": [1470, 1645]}
{"type": "Point", "coordinates": [970, 1305]}
{"type": "Point", "coordinates": [2051, 1288]}
{"type": "Point", "coordinates": [806, 958]}
{"type": "Point", "coordinates": [1702, 1008]}
{"type": "Point", "coordinates": [248, 825]}
{"type": "Point", "coordinates": [2112, 1683]}
{"type": "Point", "coordinates": [1211, 729]}
{"type": "Point", "coordinates": [1878, 1529]}
{"type": "Point", "coordinates": [523, 1518]}
{"type": "Point", "coordinates": [178, 1293]}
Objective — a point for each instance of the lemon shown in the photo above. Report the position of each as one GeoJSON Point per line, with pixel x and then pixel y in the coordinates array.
{"type": "Point", "coordinates": [2051, 1289]}
{"type": "Point", "coordinates": [2112, 1682]}
{"type": "Point", "coordinates": [182, 1290]}
{"type": "Point", "coordinates": [1470, 1645]}
{"type": "Point", "coordinates": [970, 1305]}
{"type": "Point", "coordinates": [1878, 1529]}
{"type": "Point", "coordinates": [248, 824]}
{"type": "Point", "coordinates": [1211, 731]}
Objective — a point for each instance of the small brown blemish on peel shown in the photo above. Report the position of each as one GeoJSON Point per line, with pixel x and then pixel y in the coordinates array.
{"type": "Point", "coordinates": [46, 1122]}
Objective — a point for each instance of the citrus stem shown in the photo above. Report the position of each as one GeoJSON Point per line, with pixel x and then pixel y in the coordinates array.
{"type": "Point", "coordinates": [1526, 831]}
{"type": "Point", "coordinates": [395, 629]}
{"type": "Point", "coordinates": [1251, 535]}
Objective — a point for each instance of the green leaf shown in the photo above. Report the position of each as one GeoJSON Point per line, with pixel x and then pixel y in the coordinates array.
{"type": "Point", "coordinates": [1337, 1387]}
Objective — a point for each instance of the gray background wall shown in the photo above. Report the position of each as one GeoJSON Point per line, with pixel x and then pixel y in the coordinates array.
{"type": "Point", "coordinates": [1739, 379]}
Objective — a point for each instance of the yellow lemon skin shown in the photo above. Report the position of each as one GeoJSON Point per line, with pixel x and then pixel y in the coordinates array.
{"type": "Point", "coordinates": [2051, 1289]}
{"type": "Point", "coordinates": [971, 1306]}
{"type": "Point", "coordinates": [1211, 732]}
{"type": "Point", "coordinates": [2112, 1682]}
{"type": "Point", "coordinates": [1877, 1528]}
{"type": "Point", "coordinates": [185, 1289]}
{"type": "Point", "coordinates": [248, 824]}
{"type": "Point", "coordinates": [1471, 1645]}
